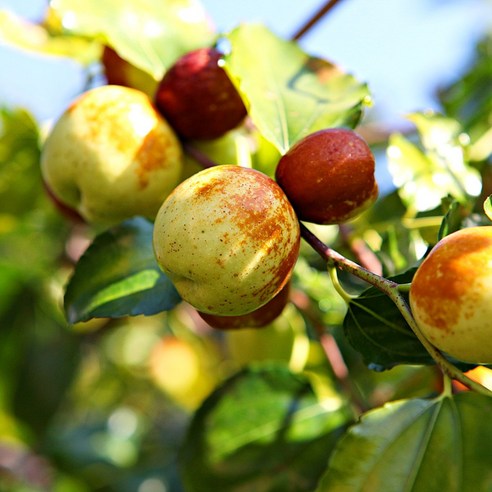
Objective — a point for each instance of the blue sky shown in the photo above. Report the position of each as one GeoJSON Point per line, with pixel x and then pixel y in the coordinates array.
{"type": "Point", "coordinates": [402, 48]}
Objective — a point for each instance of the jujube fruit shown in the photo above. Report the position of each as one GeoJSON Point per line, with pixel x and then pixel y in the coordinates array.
{"type": "Point", "coordinates": [228, 238]}
{"type": "Point", "coordinates": [111, 156]}
{"type": "Point", "coordinates": [451, 295]}
{"type": "Point", "coordinates": [328, 176]}
{"type": "Point", "coordinates": [197, 97]}
{"type": "Point", "coordinates": [258, 318]}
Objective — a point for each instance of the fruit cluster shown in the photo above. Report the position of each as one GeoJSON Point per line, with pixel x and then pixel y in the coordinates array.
{"type": "Point", "coordinates": [227, 236]}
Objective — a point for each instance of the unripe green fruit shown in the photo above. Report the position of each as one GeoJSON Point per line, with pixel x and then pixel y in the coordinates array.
{"type": "Point", "coordinates": [451, 295]}
{"type": "Point", "coordinates": [228, 238]}
{"type": "Point", "coordinates": [329, 176]}
{"type": "Point", "coordinates": [111, 156]}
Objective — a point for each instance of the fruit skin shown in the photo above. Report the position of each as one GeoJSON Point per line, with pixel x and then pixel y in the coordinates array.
{"type": "Point", "coordinates": [228, 238]}
{"type": "Point", "coordinates": [451, 298]}
{"type": "Point", "coordinates": [111, 156]}
{"type": "Point", "coordinates": [197, 97]}
{"type": "Point", "coordinates": [259, 318]}
{"type": "Point", "coordinates": [328, 176]}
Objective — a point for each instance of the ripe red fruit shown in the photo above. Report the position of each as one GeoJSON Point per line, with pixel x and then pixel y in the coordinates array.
{"type": "Point", "coordinates": [328, 176]}
{"type": "Point", "coordinates": [259, 318]}
{"type": "Point", "coordinates": [197, 97]}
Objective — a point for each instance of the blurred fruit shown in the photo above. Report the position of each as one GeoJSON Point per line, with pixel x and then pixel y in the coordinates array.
{"type": "Point", "coordinates": [111, 156]}
{"type": "Point", "coordinates": [228, 239]}
{"type": "Point", "coordinates": [451, 298]}
{"type": "Point", "coordinates": [283, 340]}
{"type": "Point", "coordinates": [328, 176]}
{"type": "Point", "coordinates": [197, 97]}
{"type": "Point", "coordinates": [179, 369]}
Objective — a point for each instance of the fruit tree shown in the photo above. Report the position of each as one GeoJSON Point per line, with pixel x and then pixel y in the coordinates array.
{"type": "Point", "coordinates": [205, 287]}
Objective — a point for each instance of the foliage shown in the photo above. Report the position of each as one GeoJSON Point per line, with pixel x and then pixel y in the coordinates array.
{"type": "Point", "coordinates": [108, 382]}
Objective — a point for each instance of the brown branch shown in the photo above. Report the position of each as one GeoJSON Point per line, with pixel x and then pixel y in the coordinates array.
{"type": "Point", "coordinates": [314, 19]}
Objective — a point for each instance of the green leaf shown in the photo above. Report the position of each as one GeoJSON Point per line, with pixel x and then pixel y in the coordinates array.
{"type": "Point", "coordinates": [263, 430]}
{"type": "Point", "coordinates": [20, 176]}
{"type": "Point", "coordinates": [417, 445]}
{"type": "Point", "coordinates": [290, 94]}
{"type": "Point", "coordinates": [34, 37]}
{"type": "Point", "coordinates": [467, 101]}
{"type": "Point", "coordinates": [425, 175]}
{"type": "Point", "coordinates": [150, 34]}
{"type": "Point", "coordinates": [375, 327]}
{"type": "Point", "coordinates": [487, 207]}
{"type": "Point", "coordinates": [119, 276]}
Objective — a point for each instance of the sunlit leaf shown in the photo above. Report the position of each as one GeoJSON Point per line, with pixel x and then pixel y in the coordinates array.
{"type": "Point", "coordinates": [290, 94]}
{"type": "Point", "coordinates": [418, 445]}
{"type": "Point", "coordinates": [118, 276]}
{"type": "Point", "coordinates": [487, 207]}
{"type": "Point", "coordinates": [263, 430]}
{"type": "Point", "coordinates": [425, 175]}
{"type": "Point", "coordinates": [468, 100]}
{"type": "Point", "coordinates": [150, 34]}
{"type": "Point", "coordinates": [34, 37]}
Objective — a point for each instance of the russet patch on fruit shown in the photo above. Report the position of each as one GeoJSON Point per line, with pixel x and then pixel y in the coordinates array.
{"type": "Point", "coordinates": [228, 238]}
{"type": "Point", "coordinates": [328, 176]}
{"type": "Point", "coordinates": [111, 156]}
{"type": "Point", "coordinates": [451, 298]}
{"type": "Point", "coordinates": [197, 97]}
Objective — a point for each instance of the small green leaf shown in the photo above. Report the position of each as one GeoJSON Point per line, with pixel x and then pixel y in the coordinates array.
{"type": "Point", "coordinates": [119, 276]}
{"type": "Point", "coordinates": [424, 175]}
{"type": "Point", "coordinates": [453, 220]}
{"type": "Point", "coordinates": [417, 445]}
{"type": "Point", "coordinates": [263, 430]}
{"type": "Point", "coordinates": [150, 34]}
{"type": "Point", "coordinates": [289, 93]}
{"type": "Point", "coordinates": [18, 32]}
{"type": "Point", "coordinates": [487, 207]}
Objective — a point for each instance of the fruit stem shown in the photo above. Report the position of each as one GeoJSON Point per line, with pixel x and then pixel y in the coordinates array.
{"type": "Point", "coordinates": [314, 19]}
{"type": "Point", "coordinates": [336, 284]}
{"type": "Point", "coordinates": [198, 155]}
{"type": "Point", "coordinates": [392, 290]}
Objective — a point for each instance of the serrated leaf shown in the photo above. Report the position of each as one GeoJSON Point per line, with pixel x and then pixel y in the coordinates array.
{"type": "Point", "coordinates": [119, 276]}
{"type": "Point", "coordinates": [425, 175]}
{"type": "Point", "coordinates": [150, 34]}
{"type": "Point", "coordinates": [375, 327]}
{"type": "Point", "coordinates": [290, 94]}
{"type": "Point", "coordinates": [263, 430]}
{"type": "Point", "coordinates": [417, 445]}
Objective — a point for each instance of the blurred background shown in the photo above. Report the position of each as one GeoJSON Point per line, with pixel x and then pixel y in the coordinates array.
{"type": "Point", "coordinates": [104, 405]}
{"type": "Point", "coordinates": [404, 49]}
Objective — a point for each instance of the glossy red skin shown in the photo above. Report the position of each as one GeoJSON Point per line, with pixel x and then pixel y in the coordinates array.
{"type": "Point", "coordinates": [257, 319]}
{"type": "Point", "coordinates": [197, 97]}
{"type": "Point", "coordinates": [328, 176]}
